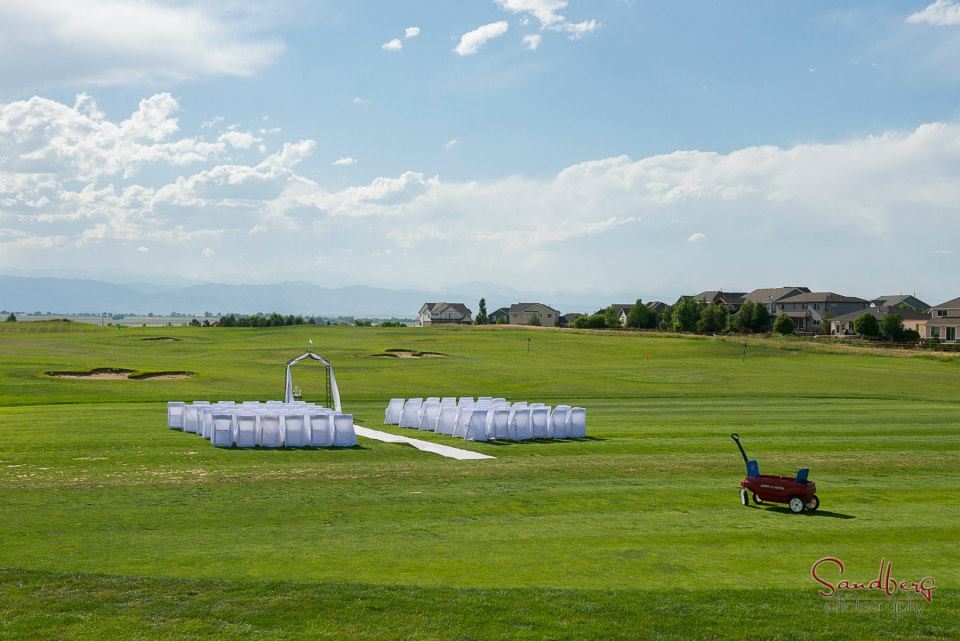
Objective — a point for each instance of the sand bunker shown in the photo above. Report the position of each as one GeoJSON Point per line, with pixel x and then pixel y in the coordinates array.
{"type": "Point", "coordinates": [408, 353]}
{"type": "Point", "coordinates": [160, 339]}
{"type": "Point", "coordinates": [118, 374]}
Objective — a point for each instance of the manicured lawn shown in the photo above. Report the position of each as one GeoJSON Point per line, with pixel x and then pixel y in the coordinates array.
{"type": "Point", "coordinates": [113, 526]}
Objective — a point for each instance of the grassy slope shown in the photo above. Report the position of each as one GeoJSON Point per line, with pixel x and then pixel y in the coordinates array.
{"type": "Point", "coordinates": [634, 533]}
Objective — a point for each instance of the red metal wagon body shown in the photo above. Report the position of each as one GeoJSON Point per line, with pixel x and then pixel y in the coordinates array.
{"type": "Point", "coordinates": [797, 492]}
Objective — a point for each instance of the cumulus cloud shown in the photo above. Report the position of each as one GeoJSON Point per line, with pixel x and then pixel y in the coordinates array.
{"type": "Point", "coordinates": [532, 41]}
{"type": "Point", "coordinates": [208, 252]}
{"type": "Point", "coordinates": [239, 139]}
{"type": "Point", "coordinates": [392, 45]}
{"type": "Point", "coordinates": [547, 13]}
{"type": "Point", "coordinates": [72, 179]}
{"type": "Point", "coordinates": [471, 41]}
{"type": "Point", "coordinates": [143, 249]}
{"type": "Point", "coordinates": [941, 13]}
{"type": "Point", "coordinates": [363, 102]}
{"type": "Point", "coordinates": [346, 161]}
{"type": "Point", "coordinates": [90, 42]}
{"type": "Point", "coordinates": [453, 142]}
{"type": "Point", "coordinates": [411, 32]}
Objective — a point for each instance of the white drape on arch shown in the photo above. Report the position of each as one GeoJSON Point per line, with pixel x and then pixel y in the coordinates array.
{"type": "Point", "coordinates": [288, 393]}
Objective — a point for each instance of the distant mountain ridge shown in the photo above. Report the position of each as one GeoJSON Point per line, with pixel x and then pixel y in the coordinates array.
{"type": "Point", "coordinates": [66, 296]}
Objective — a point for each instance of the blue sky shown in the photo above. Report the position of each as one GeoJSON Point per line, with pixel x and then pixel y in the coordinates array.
{"type": "Point", "coordinates": [648, 147]}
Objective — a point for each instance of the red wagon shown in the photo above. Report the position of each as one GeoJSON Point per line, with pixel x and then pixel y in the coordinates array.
{"type": "Point", "coordinates": [797, 492]}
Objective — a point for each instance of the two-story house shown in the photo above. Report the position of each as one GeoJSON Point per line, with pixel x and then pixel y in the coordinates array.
{"type": "Point", "coordinates": [733, 300]}
{"type": "Point", "coordinates": [443, 314]}
{"type": "Point", "coordinates": [843, 324]}
{"type": "Point", "coordinates": [770, 296]}
{"type": "Point", "coordinates": [901, 300]}
{"type": "Point", "coordinates": [496, 315]}
{"type": "Point", "coordinates": [944, 321]}
{"type": "Point", "coordinates": [809, 310]}
{"type": "Point", "coordinates": [523, 313]}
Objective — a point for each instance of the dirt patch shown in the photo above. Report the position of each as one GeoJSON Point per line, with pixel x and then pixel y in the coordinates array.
{"type": "Point", "coordinates": [160, 339]}
{"type": "Point", "coordinates": [118, 374]}
{"type": "Point", "coordinates": [97, 374]}
{"type": "Point", "coordinates": [408, 353]}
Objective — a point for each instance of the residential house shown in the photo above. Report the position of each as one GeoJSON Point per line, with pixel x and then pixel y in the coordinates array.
{"type": "Point", "coordinates": [567, 320]}
{"type": "Point", "coordinates": [656, 305]}
{"type": "Point", "coordinates": [809, 310]}
{"type": "Point", "coordinates": [733, 300]}
{"type": "Point", "coordinates": [623, 310]}
{"type": "Point", "coordinates": [496, 315]}
{"type": "Point", "coordinates": [443, 314]}
{"type": "Point", "coordinates": [770, 295]}
{"type": "Point", "coordinates": [843, 324]}
{"type": "Point", "coordinates": [944, 322]}
{"type": "Point", "coordinates": [522, 313]}
{"type": "Point", "coordinates": [901, 300]}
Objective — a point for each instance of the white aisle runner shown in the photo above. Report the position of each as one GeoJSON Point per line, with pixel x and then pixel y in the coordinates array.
{"type": "Point", "coordinates": [426, 446]}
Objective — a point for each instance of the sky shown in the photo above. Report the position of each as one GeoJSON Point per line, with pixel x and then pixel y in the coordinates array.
{"type": "Point", "coordinates": [591, 146]}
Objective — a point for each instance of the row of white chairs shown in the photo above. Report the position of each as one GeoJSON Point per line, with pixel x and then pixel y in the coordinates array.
{"type": "Point", "coordinates": [270, 424]}
{"type": "Point", "coordinates": [487, 418]}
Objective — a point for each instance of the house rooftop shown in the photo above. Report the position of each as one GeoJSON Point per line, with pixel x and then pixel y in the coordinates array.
{"type": "Point", "coordinates": [772, 294]}
{"type": "Point", "coordinates": [880, 312]}
{"type": "Point", "coordinates": [953, 303]}
{"type": "Point", "coordinates": [822, 297]}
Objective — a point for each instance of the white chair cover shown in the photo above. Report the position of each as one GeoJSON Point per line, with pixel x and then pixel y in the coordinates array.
{"type": "Point", "coordinates": [295, 431]}
{"type": "Point", "coordinates": [321, 429]}
{"type": "Point", "coordinates": [190, 417]}
{"type": "Point", "coordinates": [429, 415]}
{"type": "Point", "coordinates": [344, 434]}
{"type": "Point", "coordinates": [539, 419]}
{"type": "Point", "coordinates": [431, 399]}
{"type": "Point", "coordinates": [481, 399]}
{"type": "Point", "coordinates": [463, 419]}
{"type": "Point", "coordinates": [270, 432]}
{"type": "Point", "coordinates": [520, 425]}
{"type": "Point", "coordinates": [477, 427]}
{"type": "Point", "coordinates": [501, 424]}
{"type": "Point", "coordinates": [499, 400]}
{"type": "Point", "coordinates": [447, 419]}
{"type": "Point", "coordinates": [578, 423]}
{"type": "Point", "coordinates": [246, 429]}
{"type": "Point", "coordinates": [558, 421]}
{"type": "Point", "coordinates": [411, 413]}
{"type": "Point", "coordinates": [464, 400]}
{"type": "Point", "coordinates": [175, 415]}
{"type": "Point", "coordinates": [222, 430]}
{"type": "Point", "coordinates": [393, 412]}
{"type": "Point", "coordinates": [448, 400]}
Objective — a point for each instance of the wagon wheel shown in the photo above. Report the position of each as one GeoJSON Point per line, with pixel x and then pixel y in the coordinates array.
{"type": "Point", "coordinates": [813, 504]}
{"type": "Point", "coordinates": [796, 505]}
{"type": "Point", "coordinates": [743, 498]}
{"type": "Point", "coordinates": [757, 499]}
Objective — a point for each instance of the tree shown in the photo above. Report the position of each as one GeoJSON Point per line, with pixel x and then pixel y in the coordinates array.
{"type": "Point", "coordinates": [612, 317]}
{"type": "Point", "coordinates": [892, 327]}
{"type": "Point", "coordinates": [12, 318]}
{"type": "Point", "coordinates": [866, 325]}
{"type": "Point", "coordinates": [501, 320]}
{"type": "Point", "coordinates": [760, 318]}
{"type": "Point", "coordinates": [685, 315]}
{"type": "Point", "coordinates": [481, 318]}
{"type": "Point", "coordinates": [665, 318]}
{"type": "Point", "coordinates": [713, 319]}
{"type": "Point", "coordinates": [742, 321]}
{"type": "Point", "coordinates": [641, 316]}
{"type": "Point", "coordinates": [783, 324]}
{"type": "Point", "coordinates": [593, 321]}
{"type": "Point", "coordinates": [534, 321]}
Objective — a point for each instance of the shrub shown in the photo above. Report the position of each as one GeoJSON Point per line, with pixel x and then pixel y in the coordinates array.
{"type": "Point", "coordinates": [641, 316]}
{"type": "Point", "coordinates": [534, 321]}
{"type": "Point", "coordinates": [892, 327]}
{"type": "Point", "coordinates": [12, 318]}
{"type": "Point", "coordinates": [685, 315]}
{"type": "Point", "coordinates": [593, 321]}
{"type": "Point", "coordinates": [866, 325]}
{"type": "Point", "coordinates": [783, 324]}
{"type": "Point", "coordinates": [713, 319]}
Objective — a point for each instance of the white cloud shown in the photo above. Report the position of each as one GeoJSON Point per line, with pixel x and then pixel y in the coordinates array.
{"type": "Point", "coordinates": [346, 161]}
{"type": "Point", "coordinates": [208, 252]}
{"type": "Point", "coordinates": [453, 142]}
{"type": "Point", "coordinates": [213, 122]}
{"type": "Point", "coordinates": [90, 42]}
{"type": "Point", "coordinates": [532, 41]}
{"type": "Point", "coordinates": [143, 249]}
{"type": "Point", "coordinates": [942, 13]}
{"type": "Point", "coordinates": [239, 139]}
{"type": "Point", "coordinates": [363, 102]}
{"type": "Point", "coordinates": [392, 45]}
{"type": "Point", "coordinates": [942, 251]}
{"type": "Point", "coordinates": [471, 41]}
{"type": "Point", "coordinates": [547, 13]}
{"type": "Point", "coordinates": [697, 237]}
{"type": "Point", "coordinates": [411, 32]}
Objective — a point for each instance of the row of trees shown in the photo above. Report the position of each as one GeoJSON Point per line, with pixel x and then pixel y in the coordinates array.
{"type": "Point", "coordinates": [889, 327]}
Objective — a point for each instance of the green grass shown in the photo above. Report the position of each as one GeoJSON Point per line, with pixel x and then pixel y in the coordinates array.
{"type": "Point", "coordinates": [112, 526]}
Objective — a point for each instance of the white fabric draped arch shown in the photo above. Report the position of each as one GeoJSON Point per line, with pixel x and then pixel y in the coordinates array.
{"type": "Point", "coordinates": [288, 394]}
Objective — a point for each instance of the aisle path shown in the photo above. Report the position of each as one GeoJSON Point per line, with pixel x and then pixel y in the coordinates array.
{"type": "Point", "coordinates": [426, 446]}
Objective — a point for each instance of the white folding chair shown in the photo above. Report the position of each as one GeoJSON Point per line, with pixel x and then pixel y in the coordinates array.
{"type": "Point", "coordinates": [578, 422]}
{"type": "Point", "coordinates": [520, 425]}
{"type": "Point", "coordinates": [246, 429]}
{"type": "Point", "coordinates": [222, 430]}
{"type": "Point", "coordinates": [321, 429]}
{"type": "Point", "coordinates": [477, 427]}
{"type": "Point", "coordinates": [501, 424]}
{"type": "Point", "coordinates": [429, 415]}
{"type": "Point", "coordinates": [393, 411]}
{"type": "Point", "coordinates": [270, 432]}
{"type": "Point", "coordinates": [175, 415]}
{"type": "Point", "coordinates": [499, 400]}
{"type": "Point", "coordinates": [295, 430]}
{"type": "Point", "coordinates": [463, 419]}
{"type": "Point", "coordinates": [558, 421]}
{"type": "Point", "coordinates": [190, 416]}
{"type": "Point", "coordinates": [539, 418]}
{"type": "Point", "coordinates": [344, 435]}
{"type": "Point", "coordinates": [481, 399]}
{"type": "Point", "coordinates": [465, 400]}
{"type": "Point", "coordinates": [448, 400]}
{"type": "Point", "coordinates": [447, 419]}
{"type": "Point", "coordinates": [411, 413]}
{"type": "Point", "coordinates": [432, 399]}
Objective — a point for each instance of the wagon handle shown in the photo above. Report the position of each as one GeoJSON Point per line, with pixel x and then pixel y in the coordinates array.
{"type": "Point", "coordinates": [736, 439]}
